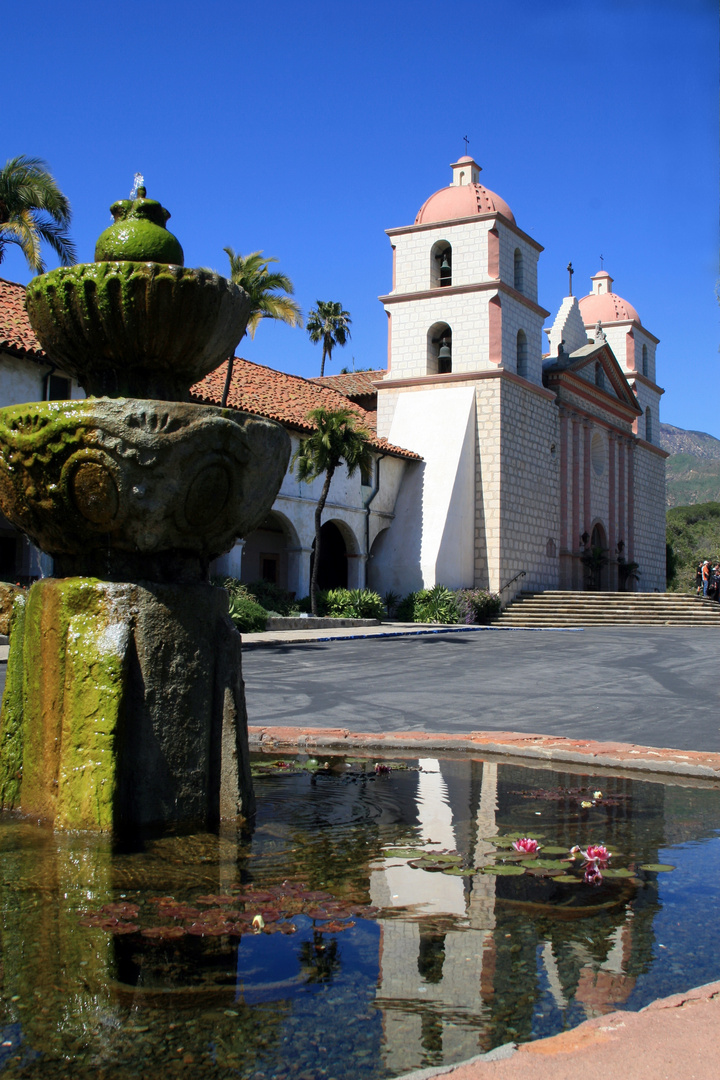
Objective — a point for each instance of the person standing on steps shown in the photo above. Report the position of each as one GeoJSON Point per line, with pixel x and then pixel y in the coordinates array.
{"type": "Point", "coordinates": [705, 576]}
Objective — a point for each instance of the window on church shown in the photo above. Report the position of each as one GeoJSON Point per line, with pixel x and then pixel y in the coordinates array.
{"type": "Point", "coordinates": [439, 349]}
{"type": "Point", "coordinates": [645, 361]}
{"type": "Point", "coordinates": [599, 375]}
{"type": "Point", "coordinates": [518, 274]}
{"type": "Point", "coordinates": [441, 265]}
{"type": "Point", "coordinates": [522, 354]}
{"type": "Point", "coordinates": [648, 424]}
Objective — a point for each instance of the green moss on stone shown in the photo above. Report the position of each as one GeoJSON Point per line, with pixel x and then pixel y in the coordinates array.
{"type": "Point", "coordinates": [64, 702]}
{"type": "Point", "coordinates": [94, 684]}
{"type": "Point", "coordinates": [11, 716]}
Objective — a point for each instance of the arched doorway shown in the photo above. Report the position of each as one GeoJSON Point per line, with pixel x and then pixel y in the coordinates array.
{"type": "Point", "coordinates": [265, 555]}
{"type": "Point", "coordinates": [596, 560]}
{"type": "Point", "coordinates": [333, 569]}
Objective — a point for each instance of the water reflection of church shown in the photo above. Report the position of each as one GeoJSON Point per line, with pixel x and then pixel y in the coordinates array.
{"type": "Point", "coordinates": [450, 980]}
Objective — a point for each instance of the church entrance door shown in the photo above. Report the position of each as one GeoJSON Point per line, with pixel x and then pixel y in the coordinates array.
{"type": "Point", "coordinates": [596, 560]}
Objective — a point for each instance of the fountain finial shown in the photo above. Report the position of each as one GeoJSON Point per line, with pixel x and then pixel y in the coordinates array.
{"type": "Point", "coordinates": [139, 232]}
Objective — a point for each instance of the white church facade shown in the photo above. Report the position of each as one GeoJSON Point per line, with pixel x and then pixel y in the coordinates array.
{"type": "Point", "coordinates": [496, 465]}
{"type": "Point", "coordinates": [545, 466]}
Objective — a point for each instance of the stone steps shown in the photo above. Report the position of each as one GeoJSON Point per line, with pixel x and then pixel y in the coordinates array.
{"type": "Point", "coordinates": [575, 609]}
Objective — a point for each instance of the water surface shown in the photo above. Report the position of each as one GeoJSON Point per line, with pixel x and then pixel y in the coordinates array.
{"type": "Point", "coordinates": [142, 960]}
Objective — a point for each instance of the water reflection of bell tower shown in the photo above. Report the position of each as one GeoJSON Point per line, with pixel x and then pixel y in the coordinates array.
{"type": "Point", "coordinates": [431, 968]}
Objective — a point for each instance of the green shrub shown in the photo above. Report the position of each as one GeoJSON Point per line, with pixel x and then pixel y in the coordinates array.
{"type": "Point", "coordinates": [249, 617]}
{"type": "Point", "coordinates": [405, 610]}
{"type": "Point", "coordinates": [354, 604]}
{"type": "Point", "coordinates": [476, 605]}
{"type": "Point", "coordinates": [437, 605]}
{"type": "Point", "coordinates": [271, 596]}
{"type": "Point", "coordinates": [446, 606]}
{"type": "Point", "coordinates": [391, 600]}
{"type": "Point", "coordinates": [345, 604]}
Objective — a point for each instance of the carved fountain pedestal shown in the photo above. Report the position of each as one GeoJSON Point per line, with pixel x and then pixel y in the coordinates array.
{"type": "Point", "coordinates": [124, 701]}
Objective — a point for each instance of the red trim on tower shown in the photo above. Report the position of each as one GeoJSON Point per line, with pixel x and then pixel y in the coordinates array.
{"type": "Point", "coordinates": [495, 317]}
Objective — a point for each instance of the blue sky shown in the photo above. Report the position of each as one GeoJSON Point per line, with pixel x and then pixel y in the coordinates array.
{"type": "Point", "coordinates": [308, 129]}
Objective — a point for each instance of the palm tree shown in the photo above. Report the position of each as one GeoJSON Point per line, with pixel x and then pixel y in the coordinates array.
{"type": "Point", "coordinates": [269, 292]}
{"type": "Point", "coordinates": [337, 437]}
{"type": "Point", "coordinates": [33, 209]}
{"type": "Point", "coordinates": [331, 325]}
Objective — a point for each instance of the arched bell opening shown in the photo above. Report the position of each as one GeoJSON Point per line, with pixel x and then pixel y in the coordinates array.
{"type": "Point", "coordinates": [518, 273]}
{"type": "Point", "coordinates": [440, 265]}
{"type": "Point", "coordinates": [439, 353]}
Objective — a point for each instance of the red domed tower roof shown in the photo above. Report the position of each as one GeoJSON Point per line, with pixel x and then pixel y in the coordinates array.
{"type": "Point", "coordinates": [605, 306]}
{"type": "Point", "coordinates": [464, 198]}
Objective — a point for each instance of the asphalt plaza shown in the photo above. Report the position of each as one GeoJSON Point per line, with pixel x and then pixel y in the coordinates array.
{"type": "Point", "coordinates": [654, 686]}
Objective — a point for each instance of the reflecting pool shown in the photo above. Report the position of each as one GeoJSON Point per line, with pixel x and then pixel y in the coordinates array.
{"type": "Point", "coordinates": [376, 919]}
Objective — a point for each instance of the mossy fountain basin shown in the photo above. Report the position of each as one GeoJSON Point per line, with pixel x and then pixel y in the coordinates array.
{"type": "Point", "coordinates": [141, 477]}
{"type": "Point", "coordinates": [137, 329]}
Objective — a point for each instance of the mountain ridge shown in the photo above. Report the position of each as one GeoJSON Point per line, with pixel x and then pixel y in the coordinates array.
{"type": "Point", "coordinates": [693, 469]}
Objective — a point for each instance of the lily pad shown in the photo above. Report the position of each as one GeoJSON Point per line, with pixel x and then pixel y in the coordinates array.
{"type": "Point", "coordinates": [460, 871]}
{"type": "Point", "coordinates": [567, 879]}
{"type": "Point", "coordinates": [541, 871]}
{"type": "Point", "coordinates": [621, 873]}
{"type": "Point", "coordinates": [553, 864]}
{"type": "Point", "coordinates": [431, 865]}
{"type": "Point", "coordinates": [404, 853]}
{"type": "Point", "coordinates": [657, 867]}
{"type": "Point", "coordinates": [553, 849]}
{"type": "Point", "coordinates": [504, 871]}
{"type": "Point", "coordinates": [498, 841]}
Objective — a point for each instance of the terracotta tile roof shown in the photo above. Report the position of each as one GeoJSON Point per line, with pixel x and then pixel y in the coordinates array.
{"type": "Point", "coordinates": [16, 334]}
{"type": "Point", "coordinates": [354, 383]}
{"type": "Point", "coordinates": [287, 398]}
{"type": "Point", "coordinates": [256, 389]}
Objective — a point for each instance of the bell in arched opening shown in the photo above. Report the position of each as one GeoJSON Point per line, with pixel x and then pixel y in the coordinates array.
{"type": "Point", "coordinates": [445, 357]}
{"type": "Point", "coordinates": [446, 267]}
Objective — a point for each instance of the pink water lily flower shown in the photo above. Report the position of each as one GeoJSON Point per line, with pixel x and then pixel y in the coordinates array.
{"type": "Point", "coordinates": [596, 853]}
{"type": "Point", "coordinates": [593, 875]}
{"type": "Point", "coordinates": [526, 845]}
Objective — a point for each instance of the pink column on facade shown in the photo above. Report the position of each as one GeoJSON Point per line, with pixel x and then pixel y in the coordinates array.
{"type": "Point", "coordinates": [575, 541]}
{"type": "Point", "coordinates": [495, 318]}
{"type": "Point", "coordinates": [493, 254]}
{"type": "Point", "coordinates": [563, 480]}
{"type": "Point", "coordinates": [630, 501]}
{"type": "Point", "coordinates": [621, 491]}
{"type": "Point", "coordinates": [612, 536]}
{"type": "Point", "coordinates": [587, 516]}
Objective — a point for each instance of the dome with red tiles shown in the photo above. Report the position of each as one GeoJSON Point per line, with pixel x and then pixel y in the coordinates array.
{"type": "Point", "coordinates": [605, 306]}
{"type": "Point", "coordinates": [464, 198]}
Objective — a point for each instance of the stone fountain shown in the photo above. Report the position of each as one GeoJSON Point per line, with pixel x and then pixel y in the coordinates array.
{"type": "Point", "coordinates": [124, 702]}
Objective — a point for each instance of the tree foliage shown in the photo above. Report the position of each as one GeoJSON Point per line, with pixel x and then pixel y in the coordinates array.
{"type": "Point", "coordinates": [329, 324]}
{"type": "Point", "coordinates": [337, 437]}
{"type": "Point", "coordinates": [693, 534]}
{"type": "Point", "coordinates": [270, 293]}
{"type": "Point", "coordinates": [34, 211]}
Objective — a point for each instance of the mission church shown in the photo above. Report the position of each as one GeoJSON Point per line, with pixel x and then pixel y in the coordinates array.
{"type": "Point", "coordinates": [497, 463]}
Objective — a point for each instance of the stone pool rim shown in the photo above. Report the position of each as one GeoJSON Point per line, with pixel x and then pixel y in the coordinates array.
{"type": "Point", "coordinates": [546, 749]}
